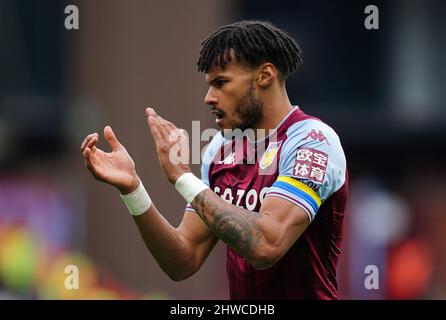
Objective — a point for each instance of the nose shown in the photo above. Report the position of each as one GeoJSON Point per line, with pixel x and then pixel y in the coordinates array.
{"type": "Point", "coordinates": [210, 98]}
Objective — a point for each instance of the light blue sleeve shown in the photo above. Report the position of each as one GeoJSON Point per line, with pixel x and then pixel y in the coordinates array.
{"type": "Point", "coordinates": [312, 166]}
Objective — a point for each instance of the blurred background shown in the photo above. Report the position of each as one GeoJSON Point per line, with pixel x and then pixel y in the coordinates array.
{"type": "Point", "coordinates": [383, 91]}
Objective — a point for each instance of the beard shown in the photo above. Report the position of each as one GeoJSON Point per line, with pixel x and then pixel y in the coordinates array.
{"type": "Point", "coordinates": [249, 110]}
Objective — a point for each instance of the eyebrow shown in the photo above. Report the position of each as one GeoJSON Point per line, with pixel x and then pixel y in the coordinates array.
{"type": "Point", "coordinates": [214, 80]}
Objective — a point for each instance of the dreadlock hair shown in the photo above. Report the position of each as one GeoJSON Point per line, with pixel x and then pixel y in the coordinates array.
{"type": "Point", "coordinates": [253, 42]}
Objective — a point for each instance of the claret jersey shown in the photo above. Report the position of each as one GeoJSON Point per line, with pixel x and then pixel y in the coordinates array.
{"type": "Point", "coordinates": [303, 162]}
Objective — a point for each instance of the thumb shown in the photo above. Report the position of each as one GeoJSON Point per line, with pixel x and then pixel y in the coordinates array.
{"type": "Point", "coordinates": [111, 138]}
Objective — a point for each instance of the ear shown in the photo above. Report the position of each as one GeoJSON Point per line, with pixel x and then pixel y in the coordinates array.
{"type": "Point", "coordinates": [267, 74]}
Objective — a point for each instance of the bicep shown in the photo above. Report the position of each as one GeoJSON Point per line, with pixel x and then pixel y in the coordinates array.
{"type": "Point", "coordinates": [201, 240]}
{"type": "Point", "coordinates": [283, 223]}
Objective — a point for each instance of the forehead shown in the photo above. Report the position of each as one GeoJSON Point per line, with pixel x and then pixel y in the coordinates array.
{"type": "Point", "coordinates": [231, 70]}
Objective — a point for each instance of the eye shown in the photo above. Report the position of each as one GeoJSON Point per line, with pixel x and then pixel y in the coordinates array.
{"type": "Point", "coordinates": [219, 83]}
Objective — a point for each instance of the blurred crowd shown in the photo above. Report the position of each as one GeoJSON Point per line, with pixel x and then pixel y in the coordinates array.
{"type": "Point", "coordinates": [37, 250]}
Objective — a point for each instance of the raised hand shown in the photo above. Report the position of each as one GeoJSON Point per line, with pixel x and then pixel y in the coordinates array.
{"type": "Point", "coordinates": [171, 145]}
{"type": "Point", "coordinates": [115, 168]}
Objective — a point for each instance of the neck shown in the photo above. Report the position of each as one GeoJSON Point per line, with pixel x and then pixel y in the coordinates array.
{"type": "Point", "coordinates": [276, 105]}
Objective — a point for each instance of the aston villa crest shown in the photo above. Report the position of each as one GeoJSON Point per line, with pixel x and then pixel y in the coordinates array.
{"type": "Point", "coordinates": [270, 154]}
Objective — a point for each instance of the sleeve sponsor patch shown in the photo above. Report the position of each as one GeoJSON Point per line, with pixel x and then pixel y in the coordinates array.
{"type": "Point", "coordinates": [310, 164]}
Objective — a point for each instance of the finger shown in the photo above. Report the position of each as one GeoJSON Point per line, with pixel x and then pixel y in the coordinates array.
{"type": "Point", "coordinates": [165, 127]}
{"type": "Point", "coordinates": [162, 121]}
{"type": "Point", "coordinates": [169, 125]}
{"type": "Point", "coordinates": [92, 142]}
{"type": "Point", "coordinates": [183, 134]}
{"type": "Point", "coordinates": [151, 112]}
{"type": "Point", "coordinates": [174, 135]}
{"type": "Point", "coordinates": [93, 152]}
{"type": "Point", "coordinates": [87, 156]}
{"type": "Point", "coordinates": [111, 138]}
{"type": "Point", "coordinates": [162, 127]}
{"type": "Point", "coordinates": [154, 130]}
{"type": "Point", "coordinates": [87, 139]}
{"type": "Point", "coordinates": [89, 162]}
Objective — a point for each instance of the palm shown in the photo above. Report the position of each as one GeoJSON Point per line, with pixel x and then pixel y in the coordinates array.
{"type": "Point", "coordinates": [116, 167]}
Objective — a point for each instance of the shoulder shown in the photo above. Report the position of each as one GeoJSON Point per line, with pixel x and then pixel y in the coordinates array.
{"type": "Point", "coordinates": [311, 129]}
{"type": "Point", "coordinates": [313, 134]}
{"type": "Point", "coordinates": [313, 154]}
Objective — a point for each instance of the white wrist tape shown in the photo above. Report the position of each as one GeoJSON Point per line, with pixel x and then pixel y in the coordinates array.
{"type": "Point", "coordinates": [188, 185]}
{"type": "Point", "coordinates": [138, 201]}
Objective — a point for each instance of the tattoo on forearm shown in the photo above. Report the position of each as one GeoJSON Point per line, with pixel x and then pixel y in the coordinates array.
{"type": "Point", "coordinates": [235, 226]}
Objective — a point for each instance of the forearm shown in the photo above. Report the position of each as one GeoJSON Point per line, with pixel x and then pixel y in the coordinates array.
{"type": "Point", "coordinates": [166, 244]}
{"type": "Point", "coordinates": [241, 229]}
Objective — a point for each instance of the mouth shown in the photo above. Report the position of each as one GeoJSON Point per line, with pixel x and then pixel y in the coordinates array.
{"type": "Point", "coordinates": [218, 114]}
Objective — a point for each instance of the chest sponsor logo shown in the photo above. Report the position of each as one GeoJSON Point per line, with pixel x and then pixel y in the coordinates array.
{"type": "Point", "coordinates": [270, 154]}
{"type": "Point", "coordinates": [248, 199]}
{"type": "Point", "coordinates": [310, 164]}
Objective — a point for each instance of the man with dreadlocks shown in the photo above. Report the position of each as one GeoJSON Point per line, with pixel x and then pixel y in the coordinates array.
{"type": "Point", "coordinates": [279, 213]}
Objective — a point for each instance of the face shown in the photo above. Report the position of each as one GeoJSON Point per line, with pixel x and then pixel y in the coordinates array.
{"type": "Point", "coordinates": [232, 96]}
